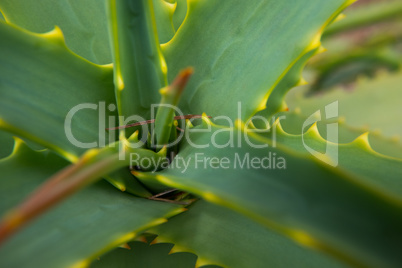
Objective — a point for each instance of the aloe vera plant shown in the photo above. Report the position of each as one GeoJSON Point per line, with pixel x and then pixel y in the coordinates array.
{"type": "Point", "coordinates": [160, 134]}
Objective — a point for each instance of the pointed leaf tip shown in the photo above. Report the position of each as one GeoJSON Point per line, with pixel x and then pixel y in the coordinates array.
{"type": "Point", "coordinates": [181, 80]}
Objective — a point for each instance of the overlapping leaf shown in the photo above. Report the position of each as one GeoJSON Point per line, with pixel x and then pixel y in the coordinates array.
{"type": "Point", "coordinates": [275, 102]}
{"type": "Point", "coordinates": [80, 229]}
{"type": "Point", "coordinates": [83, 23]}
{"type": "Point", "coordinates": [373, 104]}
{"type": "Point", "coordinates": [357, 157]}
{"type": "Point", "coordinates": [310, 202]}
{"type": "Point", "coordinates": [139, 67]}
{"type": "Point", "coordinates": [242, 55]}
{"type": "Point", "coordinates": [42, 82]}
{"type": "Point", "coordinates": [292, 123]}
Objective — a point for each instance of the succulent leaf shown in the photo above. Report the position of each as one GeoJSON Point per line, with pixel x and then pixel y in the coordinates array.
{"type": "Point", "coordinates": [35, 108]}
{"type": "Point", "coordinates": [357, 157]}
{"type": "Point", "coordinates": [369, 105]}
{"type": "Point", "coordinates": [275, 102]}
{"type": "Point", "coordinates": [292, 123]}
{"type": "Point", "coordinates": [316, 205]}
{"type": "Point", "coordinates": [139, 67]}
{"type": "Point", "coordinates": [85, 32]}
{"type": "Point", "coordinates": [252, 35]}
{"type": "Point", "coordinates": [90, 223]}
{"type": "Point", "coordinates": [93, 165]}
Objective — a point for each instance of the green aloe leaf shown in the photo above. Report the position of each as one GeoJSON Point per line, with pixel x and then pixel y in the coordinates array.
{"type": "Point", "coordinates": [316, 205]}
{"type": "Point", "coordinates": [139, 66]}
{"type": "Point", "coordinates": [142, 254]}
{"type": "Point", "coordinates": [266, 38]}
{"type": "Point", "coordinates": [83, 23]}
{"type": "Point", "coordinates": [217, 234]}
{"type": "Point", "coordinates": [36, 108]}
{"type": "Point", "coordinates": [371, 104]}
{"type": "Point", "coordinates": [357, 157]}
{"type": "Point", "coordinates": [275, 102]}
{"type": "Point", "coordinates": [90, 223]}
{"type": "Point", "coordinates": [292, 123]}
